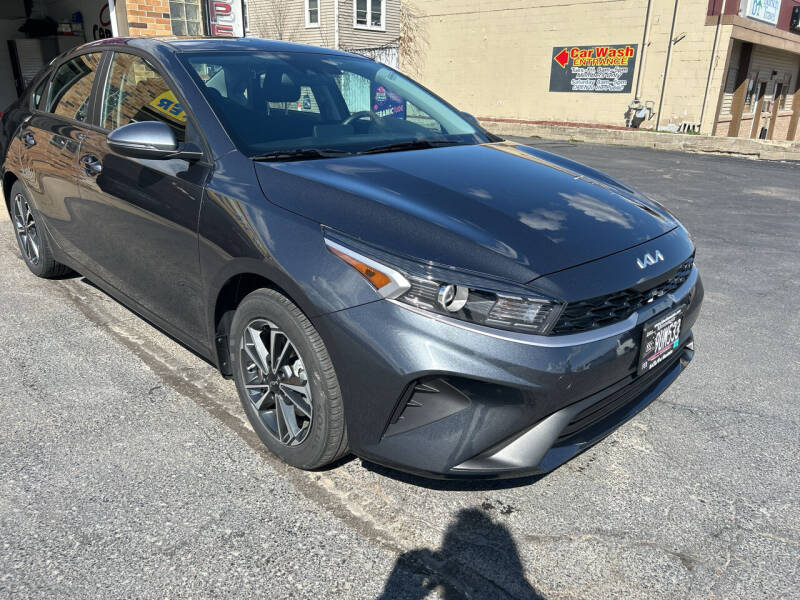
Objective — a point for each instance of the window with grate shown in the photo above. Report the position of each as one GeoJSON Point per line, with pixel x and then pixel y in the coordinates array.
{"type": "Point", "coordinates": [186, 17]}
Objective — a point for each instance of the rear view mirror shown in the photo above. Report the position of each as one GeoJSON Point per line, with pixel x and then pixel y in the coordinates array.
{"type": "Point", "coordinates": [150, 139]}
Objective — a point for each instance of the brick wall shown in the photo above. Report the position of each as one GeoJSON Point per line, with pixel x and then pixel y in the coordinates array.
{"type": "Point", "coordinates": [148, 18]}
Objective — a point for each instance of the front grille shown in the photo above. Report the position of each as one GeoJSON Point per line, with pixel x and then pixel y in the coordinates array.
{"type": "Point", "coordinates": [594, 313]}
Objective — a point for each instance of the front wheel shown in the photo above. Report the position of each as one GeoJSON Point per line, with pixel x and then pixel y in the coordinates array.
{"type": "Point", "coordinates": [286, 381]}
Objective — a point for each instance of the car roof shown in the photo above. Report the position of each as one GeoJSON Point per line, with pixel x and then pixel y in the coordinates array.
{"type": "Point", "coordinates": [184, 44]}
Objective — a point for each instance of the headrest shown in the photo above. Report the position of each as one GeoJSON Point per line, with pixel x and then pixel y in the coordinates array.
{"type": "Point", "coordinates": [214, 95]}
{"type": "Point", "coordinates": [284, 90]}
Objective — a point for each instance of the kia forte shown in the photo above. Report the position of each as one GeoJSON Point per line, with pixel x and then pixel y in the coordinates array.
{"type": "Point", "coordinates": [378, 273]}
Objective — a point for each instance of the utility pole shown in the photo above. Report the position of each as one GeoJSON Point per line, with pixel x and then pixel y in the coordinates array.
{"type": "Point", "coordinates": [666, 65]}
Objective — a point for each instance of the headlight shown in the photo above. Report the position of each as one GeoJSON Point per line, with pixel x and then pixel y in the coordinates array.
{"type": "Point", "coordinates": [451, 293]}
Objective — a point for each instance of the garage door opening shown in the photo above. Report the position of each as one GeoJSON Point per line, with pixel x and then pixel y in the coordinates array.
{"type": "Point", "coordinates": [33, 32]}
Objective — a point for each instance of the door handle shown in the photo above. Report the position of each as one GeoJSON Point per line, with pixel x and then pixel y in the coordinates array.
{"type": "Point", "coordinates": [91, 164]}
{"type": "Point", "coordinates": [28, 139]}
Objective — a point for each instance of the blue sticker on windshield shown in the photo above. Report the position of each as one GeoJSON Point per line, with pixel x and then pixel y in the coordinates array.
{"type": "Point", "coordinates": [386, 103]}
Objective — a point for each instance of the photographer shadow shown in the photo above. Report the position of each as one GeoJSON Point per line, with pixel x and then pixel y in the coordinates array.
{"type": "Point", "coordinates": [478, 558]}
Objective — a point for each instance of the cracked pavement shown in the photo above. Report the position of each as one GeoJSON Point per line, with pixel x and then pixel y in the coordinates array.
{"type": "Point", "coordinates": [127, 467]}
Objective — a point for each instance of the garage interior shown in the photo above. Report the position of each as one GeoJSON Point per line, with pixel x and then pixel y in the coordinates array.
{"type": "Point", "coordinates": [33, 32]}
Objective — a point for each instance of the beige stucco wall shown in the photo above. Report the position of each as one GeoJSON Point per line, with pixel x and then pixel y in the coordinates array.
{"type": "Point", "coordinates": [492, 57]}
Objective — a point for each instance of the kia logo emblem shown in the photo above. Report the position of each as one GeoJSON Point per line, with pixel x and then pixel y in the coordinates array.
{"type": "Point", "coordinates": [649, 259]}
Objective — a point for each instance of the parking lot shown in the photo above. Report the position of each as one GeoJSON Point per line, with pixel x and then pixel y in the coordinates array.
{"type": "Point", "coordinates": [128, 469]}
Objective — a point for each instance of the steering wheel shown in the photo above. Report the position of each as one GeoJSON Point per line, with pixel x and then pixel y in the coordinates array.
{"type": "Point", "coordinates": [360, 115]}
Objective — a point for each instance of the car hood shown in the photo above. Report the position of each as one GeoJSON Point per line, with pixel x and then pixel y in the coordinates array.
{"type": "Point", "coordinates": [505, 209]}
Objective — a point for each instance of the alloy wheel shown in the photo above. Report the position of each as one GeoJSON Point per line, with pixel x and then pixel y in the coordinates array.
{"type": "Point", "coordinates": [25, 226]}
{"type": "Point", "coordinates": [276, 382]}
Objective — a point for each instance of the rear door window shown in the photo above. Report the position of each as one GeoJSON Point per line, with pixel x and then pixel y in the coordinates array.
{"type": "Point", "coordinates": [135, 91]}
{"type": "Point", "coordinates": [38, 92]}
{"type": "Point", "coordinates": [71, 88]}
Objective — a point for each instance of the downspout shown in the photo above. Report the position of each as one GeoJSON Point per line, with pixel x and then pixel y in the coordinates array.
{"type": "Point", "coordinates": [666, 64]}
{"type": "Point", "coordinates": [336, 24]}
{"type": "Point", "coordinates": [118, 12]}
{"type": "Point", "coordinates": [711, 67]}
{"type": "Point", "coordinates": [112, 15]}
{"type": "Point", "coordinates": [641, 49]}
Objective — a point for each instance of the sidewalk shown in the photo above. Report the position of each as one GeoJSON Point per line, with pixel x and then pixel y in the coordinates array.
{"type": "Point", "coordinates": [706, 144]}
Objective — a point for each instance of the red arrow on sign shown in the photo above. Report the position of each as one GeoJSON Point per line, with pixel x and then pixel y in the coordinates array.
{"type": "Point", "coordinates": [562, 58]}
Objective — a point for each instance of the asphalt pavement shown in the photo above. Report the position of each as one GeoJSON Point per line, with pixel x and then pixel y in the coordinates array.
{"type": "Point", "coordinates": [127, 468]}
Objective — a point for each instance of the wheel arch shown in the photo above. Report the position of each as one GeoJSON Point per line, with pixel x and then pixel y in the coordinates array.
{"type": "Point", "coordinates": [232, 286]}
{"type": "Point", "coordinates": [9, 179]}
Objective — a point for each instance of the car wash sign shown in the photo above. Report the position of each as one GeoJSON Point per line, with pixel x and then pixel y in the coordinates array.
{"type": "Point", "coordinates": [599, 69]}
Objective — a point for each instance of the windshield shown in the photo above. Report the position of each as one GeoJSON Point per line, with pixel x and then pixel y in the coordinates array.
{"type": "Point", "coordinates": [278, 105]}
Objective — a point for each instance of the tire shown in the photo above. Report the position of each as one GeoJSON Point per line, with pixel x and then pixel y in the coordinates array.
{"type": "Point", "coordinates": [32, 236]}
{"type": "Point", "coordinates": [305, 434]}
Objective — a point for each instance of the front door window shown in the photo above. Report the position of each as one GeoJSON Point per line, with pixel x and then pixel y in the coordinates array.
{"type": "Point", "coordinates": [136, 92]}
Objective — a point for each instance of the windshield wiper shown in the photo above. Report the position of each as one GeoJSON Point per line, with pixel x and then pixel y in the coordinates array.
{"type": "Point", "coordinates": [410, 145]}
{"type": "Point", "coordinates": [300, 154]}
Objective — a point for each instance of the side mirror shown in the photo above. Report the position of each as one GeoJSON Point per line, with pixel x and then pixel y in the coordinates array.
{"type": "Point", "coordinates": [150, 139]}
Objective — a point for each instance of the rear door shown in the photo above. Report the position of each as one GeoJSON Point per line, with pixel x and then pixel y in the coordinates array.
{"type": "Point", "coordinates": [141, 222]}
{"type": "Point", "coordinates": [50, 144]}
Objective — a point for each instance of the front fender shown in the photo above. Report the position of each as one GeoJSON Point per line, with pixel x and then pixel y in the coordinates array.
{"type": "Point", "coordinates": [284, 248]}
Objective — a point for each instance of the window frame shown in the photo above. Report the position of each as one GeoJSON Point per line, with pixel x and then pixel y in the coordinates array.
{"type": "Point", "coordinates": [307, 7]}
{"type": "Point", "coordinates": [55, 65]}
{"type": "Point", "coordinates": [43, 81]}
{"type": "Point", "coordinates": [185, 21]}
{"type": "Point", "coordinates": [99, 95]}
{"type": "Point", "coordinates": [368, 26]}
{"type": "Point", "coordinates": [89, 100]}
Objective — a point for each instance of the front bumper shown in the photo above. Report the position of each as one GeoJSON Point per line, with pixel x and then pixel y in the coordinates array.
{"type": "Point", "coordinates": [448, 400]}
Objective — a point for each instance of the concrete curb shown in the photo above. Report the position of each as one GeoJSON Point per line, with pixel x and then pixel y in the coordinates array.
{"type": "Point", "coordinates": [705, 144]}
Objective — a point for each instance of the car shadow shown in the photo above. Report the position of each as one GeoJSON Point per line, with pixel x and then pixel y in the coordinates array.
{"type": "Point", "coordinates": [451, 485]}
{"type": "Point", "coordinates": [478, 558]}
{"type": "Point", "coordinates": [88, 282]}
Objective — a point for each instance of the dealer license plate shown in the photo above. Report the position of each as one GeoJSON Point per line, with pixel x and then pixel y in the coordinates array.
{"type": "Point", "coordinates": [660, 339]}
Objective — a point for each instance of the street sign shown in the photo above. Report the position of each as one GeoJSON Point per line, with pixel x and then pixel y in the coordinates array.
{"type": "Point", "coordinates": [605, 69]}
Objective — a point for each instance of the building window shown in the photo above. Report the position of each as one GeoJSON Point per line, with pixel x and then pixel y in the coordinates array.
{"type": "Point", "coordinates": [369, 14]}
{"type": "Point", "coordinates": [312, 13]}
{"type": "Point", "coordinates": [186, 17]}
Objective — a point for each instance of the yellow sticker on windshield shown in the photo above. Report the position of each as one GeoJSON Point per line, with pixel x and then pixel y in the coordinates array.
{"type": "Point", "coordinates": [166, 103]}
